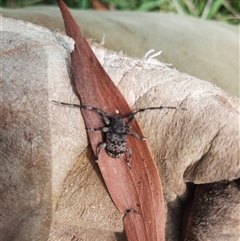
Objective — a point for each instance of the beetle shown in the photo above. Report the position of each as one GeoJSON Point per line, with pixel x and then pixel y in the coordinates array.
{"type": "Point", "coordinates": [117, 129]}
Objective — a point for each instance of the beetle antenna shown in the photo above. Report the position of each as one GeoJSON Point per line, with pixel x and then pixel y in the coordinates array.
{"type": "Point", "coordinates": [86, 107]}
{"type": "Point", "coordinates": [154, 108]}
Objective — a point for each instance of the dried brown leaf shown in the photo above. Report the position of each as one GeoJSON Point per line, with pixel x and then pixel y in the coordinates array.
{"type": "Point", "coordinates": [138, 188]}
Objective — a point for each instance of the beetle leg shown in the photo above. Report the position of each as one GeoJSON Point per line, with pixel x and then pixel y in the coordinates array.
{"type": "Point", "coordinates": [131, 120]}
{"type": "Point", "coordinates": [102, 128]}
{"type": "Point", "coordinates": [143, 138]}
{"type": "Point", "coordinates": [101, 146]}
{"type": "Point", "coordinates": [95, 129]}
{"type": "Point", "coordinates": [129, 154]}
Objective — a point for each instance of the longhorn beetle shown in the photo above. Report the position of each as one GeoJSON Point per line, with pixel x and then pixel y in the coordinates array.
{"type": "Point", "coordinates": [117, 130]}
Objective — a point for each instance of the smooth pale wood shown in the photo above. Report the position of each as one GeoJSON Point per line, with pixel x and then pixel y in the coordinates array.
{"type": "Point", "coordinates": [138, 188]}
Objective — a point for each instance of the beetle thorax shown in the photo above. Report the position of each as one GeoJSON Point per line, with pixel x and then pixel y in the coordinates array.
{"type": "Point", "coordinates": [117, 125]}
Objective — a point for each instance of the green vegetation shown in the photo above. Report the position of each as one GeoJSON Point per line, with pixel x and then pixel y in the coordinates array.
{"type": "Point", "coordinates": [221, 10]}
